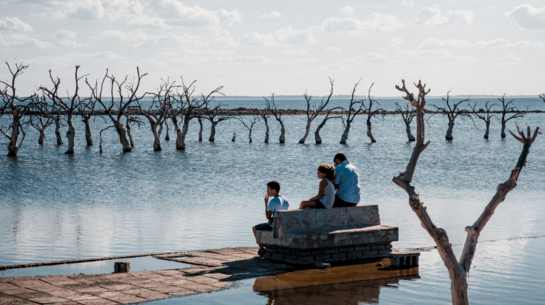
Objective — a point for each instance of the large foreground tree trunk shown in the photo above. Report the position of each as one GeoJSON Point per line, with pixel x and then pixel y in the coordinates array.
{"type": "Point", "coordinates": [449, 136]}
{"type": "Point", "coordinates": [369, 132]}
{"type": "Point", "coordinates": [88, 135]}
{"type": "Point", "coordinates": [307, 131]}
{"type": "Point", "coordinates": [70, 135]}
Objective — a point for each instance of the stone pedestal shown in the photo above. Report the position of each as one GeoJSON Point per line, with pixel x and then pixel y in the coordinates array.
{"type": "Point", "coordinates": [122, 267]}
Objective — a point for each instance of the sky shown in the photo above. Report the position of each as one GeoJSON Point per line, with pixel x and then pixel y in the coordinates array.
{"type": "Point", "coordinates": [258, 48]}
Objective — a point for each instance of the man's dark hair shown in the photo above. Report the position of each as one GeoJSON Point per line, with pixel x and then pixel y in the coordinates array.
{"type": "Point", "coordinates": [340, 156]}
{"type": "Point", "coordinates": [274, 185]}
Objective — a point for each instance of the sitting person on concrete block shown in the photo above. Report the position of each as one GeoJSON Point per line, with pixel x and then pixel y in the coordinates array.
{"type": "Point", "coordinates": [347, 182]}
{"type": "Point", "coordinates": [278, 203]}
{"type": "Point", "coordinates": [326, 190]}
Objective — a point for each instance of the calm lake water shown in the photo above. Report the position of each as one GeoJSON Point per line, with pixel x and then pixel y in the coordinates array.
{"type": "Point", "coordinates": [54, 206]}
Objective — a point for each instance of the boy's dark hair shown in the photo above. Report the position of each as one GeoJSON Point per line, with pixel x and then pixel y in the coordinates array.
{"type": "Point", "coordinates": [274, 185]}
{"type": "Point", "coordinates": [328, 170]}
{"type": "Point", "coordinates": [340, 156]}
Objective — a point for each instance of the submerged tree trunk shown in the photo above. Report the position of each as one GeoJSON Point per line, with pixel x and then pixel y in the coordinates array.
{"type": "Point", "coordinates": [88, 135]}
{"type": "Point", "coordinates": [58, 131]}
{"type": "Point", "coordinates": [234, 137]}
{"type": "Point", "coordinates": [200, 130]}
{"type": "Point", "coordinates": [70, 135]}
{"type": "Point", "coordinates": [42, 136]}
{"type": "Point", "coordinates": [156, 137]}
{"type": "Point", "coordinates": [487, 129]}
{"type": "Point", "coordinates": [409, 134]}
{"type": "Point", "coordinates": [250, 136]}
{"type": "Point", "coordinates": [449, 136]}
{"type": "Point", "coordinates": [266, 130]}
{"type": "Point", "coordinates": [307, 131]}
{"type": "Point", "coordinates": [122, 132]}
{"type": "Point", "coordinates": [369, 132]}
{"type": "Point", "coordinates": [129, 132]}
{"type": "Point", "coordinates": [282, 137]}
{"type": "Point", "coordinates": [167, 136]}
{"type": "Point", "coordinates": [183, 135]}
{"type": "Point", "coordinates": [503, 130]}
{"type": "Point", "coordinates": [344, 138]}
{"type": "Point", "coordinates": [212, 137]}
{"type": "Point", "coordinates": [13, 146]}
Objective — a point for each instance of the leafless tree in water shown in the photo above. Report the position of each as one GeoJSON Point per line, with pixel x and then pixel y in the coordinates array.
{"type": "Point", "coordinates": [508, 112]}
{"type": "Point", "coordinates": [265, 119]}
{"type": "Point", "coordinates": [314, 110]}
{"type": "Point", "coordinates": [408, 115]}
{"type": "Point", "coordinates": [42, 118]}
{"type": "Point", "coordinates": [484, 114]}
{"type": "Point", "coordinates": [58, 124]}
{"type": "Point", "coordinates": [16, 107]}
{"type": "Point", "coordinates": [250, 124]}
{"type": "Point", "coordinates": [158, 110]}
{"type": "Point", "coordinates": [200, 128]}
{"type": "Point", "coordinates": [452, 112]}
{"type": "Point", "coordinates": [215, 115]}
{"type": "Point", "coordinates": [86, 110]}
{"type": "Point", "coordinates": [69, 104]}
{"type": "Point", "coordinates": [351, 113]}
{"type": "Point", "coordinates": [270, 106]}
{"type": "Point", "coordinates": [120, 101]}
{"type": "Point", "coordinates": [542, 96]}
{"type": "Point", "coordinates": [327, 117]}
{"type": "Point", "coordinates": [458, 270]}
{"type": "Point", "coordinates": [372, 113]}
{"type": "Point", "coordinates": [129, 119]}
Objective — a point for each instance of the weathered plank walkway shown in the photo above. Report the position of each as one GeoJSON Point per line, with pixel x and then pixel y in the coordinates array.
{"type": "Point", "coordinates": [212, 270]}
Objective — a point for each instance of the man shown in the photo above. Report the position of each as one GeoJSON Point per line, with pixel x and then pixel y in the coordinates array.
{"type": "Point", "coordinates": [347, 182]}
{"type": "Point", "coordinates": [278, 203]}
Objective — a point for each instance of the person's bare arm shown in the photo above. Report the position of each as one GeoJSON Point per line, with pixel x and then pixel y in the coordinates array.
{"type": "Point", "coordinates": [321, 189]}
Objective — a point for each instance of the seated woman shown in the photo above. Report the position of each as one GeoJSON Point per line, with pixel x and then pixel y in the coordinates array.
{"type": "Point", "coordinates": [326, 190]}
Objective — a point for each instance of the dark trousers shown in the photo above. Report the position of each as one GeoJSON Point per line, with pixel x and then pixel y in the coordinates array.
{"type": "Point", "coordinates": [339, 203]}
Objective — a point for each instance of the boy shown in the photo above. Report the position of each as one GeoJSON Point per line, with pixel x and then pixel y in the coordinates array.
{"type": "Point", "coordinates": [278, 203]}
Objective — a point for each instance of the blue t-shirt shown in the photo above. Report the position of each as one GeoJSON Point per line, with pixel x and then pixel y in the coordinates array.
{"type": "Point", "coordinates": [348, 179]}
{"type": "Point", "coordinates": [279, 203]}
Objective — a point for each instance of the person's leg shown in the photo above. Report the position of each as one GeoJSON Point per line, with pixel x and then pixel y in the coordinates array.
{"type": "Point", "coordinates": [339, 203]}
{"type": "Point", "coordinates": [255, 235]}
{"type": "Point", "coordinates": [307, 204]}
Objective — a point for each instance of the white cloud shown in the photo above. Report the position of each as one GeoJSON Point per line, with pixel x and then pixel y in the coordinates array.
{"type": "Point", "coordinates": [508, 61]}
{"type": "Point", "coordinates": [293, 51]}
{"type": "Point", "coordinates": [528, 16]}
{"type": "Point", "coordinates": [498, 42]}
{"type": "Point", "coordinates": [142, 40]}
{"type": "Point", "coordinates": [14, 24]}
{"type": "Point", "coordinates": [433, 16]}
{"type": "Point", "coordinates": [373, 57]}
{"type": "Point", "coordinates": [397, 40]}
{"type": "Point", "coordinates": [432, 43]}
{"type": "Point", "coordinates": [333, 50]}
{"type": "Point", "coordinates": [273, 14]}
{"type": "Point", "coordinates": [175, 13]}
{"type": "Point", "coordinates": [67, 43]}
{"type": "Point", "coordinates": [65, 34]}
{"type": "Point", "coordinates": [22, 41]}
{"type": "Point", "coordinates": [136, 35]}
{"type": "Point", "coordinates": [346, 9]}
{"type": "Point", "coordinates": [285, 35]}
{"type": "Point", "coordinates": [375, 22]}
{"type": "Point", "coordinates": [408, 3]}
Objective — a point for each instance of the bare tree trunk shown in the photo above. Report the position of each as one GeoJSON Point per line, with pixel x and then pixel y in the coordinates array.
{"type": "Point", "coordinates": [160, 129]}
{"type": "Point", "coordinates": [449, 136]}
{"type": "Point", "coordinates": [122, 132]}
{"type": "Point", "coordinates": [409, 134]}
{"type": "Point", "coordinates": [42, 137]}
{"type": "Point", "coordinates": [88, 135]}
{"type": "Point", "coordinates": [369, 132]}
{"type": "Point", "coordinates": [183, 135]}
{"type": "Point", "coordinates": [13, 146]}
{"type": "Point", "coordinates": [129, 132]}
{"type": "Point", "coordinates": [200, 130]}
{"type": "Point", "coordinates": [503, 130]}
{"type": "Point", "coordinates": [344, 138]}
{"type": "Point", "coordinates": [157, 138]}
{"type": "Point", "coordinates": [212, 137]}
{"type": "Point", "coordinates": [307, 131]}
{"type": "Point", "coordinates": [282, 138]}
{"type": "Point", "coordinates": [250, 136]}
{"type": "Point", "coordinates": [58, 132]}
{"type": "Point", "coordinates": [487, 129]}
{"type": "Point", "coordinates": [266, 130]}
{"type": "Point", "coordinates": [234, 137]}
{"type": "Point", "coordinates": [167, 136]}
{"type": "Point", "coordinates": [70, 135]}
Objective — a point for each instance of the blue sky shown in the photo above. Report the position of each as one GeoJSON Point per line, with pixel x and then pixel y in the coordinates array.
{"type": "Point", "coordinates": [286, 47]}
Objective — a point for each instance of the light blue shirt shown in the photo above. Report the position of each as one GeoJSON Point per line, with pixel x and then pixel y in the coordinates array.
{"type": "Point", "coordinates": [279, 203]}
{"type": "Point", "coordinates": [348, 179]}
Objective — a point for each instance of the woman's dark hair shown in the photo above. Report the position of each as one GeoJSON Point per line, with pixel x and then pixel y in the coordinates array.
{"type": "Point", "coordinates": [274, 185]}
{"type": "Point", "coordinates": [328, 170]}
{"type": "Point", "coordinates": [340, 156]}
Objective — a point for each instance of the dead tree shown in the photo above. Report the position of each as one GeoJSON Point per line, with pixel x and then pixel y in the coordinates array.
{"type": "Point", "coordinates": [86, 110]}
{"type": "Point", "coordinates": [458, 270]}
{"type": "Point", "coordinates": [215, 115]}
{"type": "Point", "coordinates": [372, 113]}
{"type": "Point", "coordinates": [157, 111]}
{"type": "Point", "coordinates": [167, 134]}
{"type": "Point", "coordinates": [270, 106]}
{"type": "Point", "coordinates": [200, 128]}
{"type": "Point", "coordinates": [451, 112]}
{"type": "Point", "coordinates": [265, 118]}
{"type": "Point", "coordinates": [17, 107]}
{"type": "Point", "coordinates": [542, 96]}
{"type": "Point", "coordinates": [351, 113]}
{"type": "Point", "coordinates": [120, 102]}
{"type": "Point", "coordinates": [185, 105]}
{"type": "Point", "coordinates": [508, 108]}
{"type": "Point", "coordinates": [485, 115]}
{"type": "Point", "coordinates": [249, 125]}
{"type": "Point", "coordinates": [408, 115]}
{"type": "Point", "coordinates": [313, 111]}
{"type": "Point", "coordinates": [58, 123]}
{"type": "Point", "coordinates": [68, 105]}
{"type": "Point", "coordinates": [317, 137]}
{"type": "Point", "coordinates": [42, 118]}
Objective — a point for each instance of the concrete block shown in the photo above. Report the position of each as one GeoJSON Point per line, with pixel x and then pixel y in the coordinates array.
{"type": "Point", "coordinates": [361, 248]}
{"type": "Point", "coordinates": [122, 267]}
{"type": "Point", "coordinates": [338, 256]}
{"type": "Point", "coordinates": [333, 250]}
{"type": "Point", "coordinates": [322, 257]}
